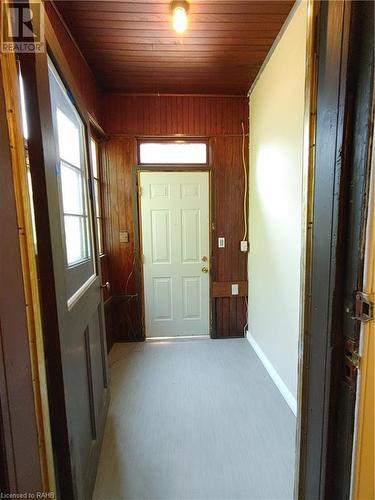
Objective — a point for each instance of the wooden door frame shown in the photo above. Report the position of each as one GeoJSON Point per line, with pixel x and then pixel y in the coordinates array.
{"type": "Point", "coordinates": [321, 366]}
{"type": "Point", "coordinates": [20, 466]}
{"type": "Point", "coordinates": [138, 270]}
{"type": "Point", "coordinates": [361, 482]}
{"type": "Point", "coordinates": [356, 154]}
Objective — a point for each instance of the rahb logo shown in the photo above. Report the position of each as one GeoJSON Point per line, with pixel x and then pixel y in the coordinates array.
{"type": "Point", "coordinates": [22, 26]}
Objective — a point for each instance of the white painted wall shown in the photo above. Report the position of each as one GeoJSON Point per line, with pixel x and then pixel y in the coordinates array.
{"type": "Point", "coordinates": [275, 187]}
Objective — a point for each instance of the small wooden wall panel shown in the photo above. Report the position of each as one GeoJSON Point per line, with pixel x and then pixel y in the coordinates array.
{"type": "Point", "coordinates": [229, 317]}
{"type": "Point", "coordinates": [224, 289]}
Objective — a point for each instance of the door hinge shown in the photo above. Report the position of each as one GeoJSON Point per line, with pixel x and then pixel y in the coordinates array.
{"type": "Point", "coordinates": [139, 190]}
{"type": "Point", "coordinates": [363, 308]}
{"type": "Point", "coordinates": [352, 361]}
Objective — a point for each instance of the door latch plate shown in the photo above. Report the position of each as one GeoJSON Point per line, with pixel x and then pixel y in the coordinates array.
{"type": "Point", "coordinates": [363, 308]}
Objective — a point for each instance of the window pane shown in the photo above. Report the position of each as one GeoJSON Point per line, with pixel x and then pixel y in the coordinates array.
{"type": "Point", "coordinates": [94, 158]}
{"type": "Point", "coordinates": [97, 197]}
{"type": "Point", "coordinates": [74, 238]}
{"type": "Point", "coordinates": [68, 136]}
{"type": "Point", "coordinates": [99, 229]}
{"type": "Point", "coordinates": [71, 185]}
{"type": "Point", "coordinates": [173, 152]}
{"type": "Point", "coordinates": [23, 109]}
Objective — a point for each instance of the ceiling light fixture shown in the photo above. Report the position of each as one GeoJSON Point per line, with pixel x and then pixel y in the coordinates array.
{"type": "Point", "coordinates": [179, 15]}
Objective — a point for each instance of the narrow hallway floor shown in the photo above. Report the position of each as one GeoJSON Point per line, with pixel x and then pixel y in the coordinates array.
{"type": "Point", "coordinates": [195, 420]}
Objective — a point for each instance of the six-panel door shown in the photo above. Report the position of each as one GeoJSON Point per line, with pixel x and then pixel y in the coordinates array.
{"type": "Point", "coordinates": [175, 246]}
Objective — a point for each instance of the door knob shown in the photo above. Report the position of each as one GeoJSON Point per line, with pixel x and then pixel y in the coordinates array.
{"type": "Point", "coordinates": [204, 269]}
{"type": "Point", "coordinates": [106, 285]}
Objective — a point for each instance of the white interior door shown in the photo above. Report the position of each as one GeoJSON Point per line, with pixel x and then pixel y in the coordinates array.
{"type": "Point", "coordinates": [175, 244]}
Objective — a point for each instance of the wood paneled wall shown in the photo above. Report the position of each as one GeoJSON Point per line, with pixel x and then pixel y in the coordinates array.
{"type": "Point", "coordinates": [169, 115]}
{"type": "Point", "coordinates": [219, 119]}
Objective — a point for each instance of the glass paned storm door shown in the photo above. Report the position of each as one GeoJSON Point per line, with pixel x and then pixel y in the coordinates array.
{"type": "Point", "coordinates": [71, 171]}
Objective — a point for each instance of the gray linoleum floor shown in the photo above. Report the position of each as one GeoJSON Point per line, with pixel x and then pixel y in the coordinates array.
{"type": "Point", "coordinates": [194, 419]}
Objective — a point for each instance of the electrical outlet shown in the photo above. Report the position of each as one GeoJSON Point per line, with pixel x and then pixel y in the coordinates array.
{"type": "Point", "coordinates": [235, 289]}
{"type": "Point", "coordinates": [221, 242]}
{"type": "Point", "coordinates": [244, 246]}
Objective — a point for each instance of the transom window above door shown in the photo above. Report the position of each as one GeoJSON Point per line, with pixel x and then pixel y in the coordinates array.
{"type": "Point", "coordinates": [172, 153]}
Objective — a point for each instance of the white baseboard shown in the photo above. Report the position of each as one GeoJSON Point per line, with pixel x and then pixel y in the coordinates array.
{"type": "Point", "coordinates": [287, 395]}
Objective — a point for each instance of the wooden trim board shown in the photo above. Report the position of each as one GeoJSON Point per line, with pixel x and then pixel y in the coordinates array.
{"type": "Point", "coordinates": [224, 289]}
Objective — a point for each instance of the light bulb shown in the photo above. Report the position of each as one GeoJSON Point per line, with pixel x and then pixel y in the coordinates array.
{"type": "Point", "coordinates": [180, 21]}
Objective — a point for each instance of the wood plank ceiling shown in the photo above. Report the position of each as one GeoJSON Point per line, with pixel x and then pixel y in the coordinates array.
{"type": "Point", "coordinates": [132, 48]}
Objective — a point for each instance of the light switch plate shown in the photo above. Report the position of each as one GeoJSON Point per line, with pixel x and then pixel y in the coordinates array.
{"type": "Point", "coordinates": [124, 237]}
{"type": "Point", "coordinates": [235, 289]}
{"type": "Point", "coordinates": [221, 242]}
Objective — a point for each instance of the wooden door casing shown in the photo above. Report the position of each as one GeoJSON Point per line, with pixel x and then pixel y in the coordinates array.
{"type": "Point", "coordinates": [20, 467]}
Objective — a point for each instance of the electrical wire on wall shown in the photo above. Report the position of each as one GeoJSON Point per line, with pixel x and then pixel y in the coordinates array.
{"type": "Point", "coordinates": [244, 207]}
{"type": "Point", "coordinates": [246, 324]}
{"type": "Point", "coordinates": [131, 297]}
{"type": "Point", "coordinates": [130, 274]}
{"type": "Point", "coordinates": [245, 181]}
